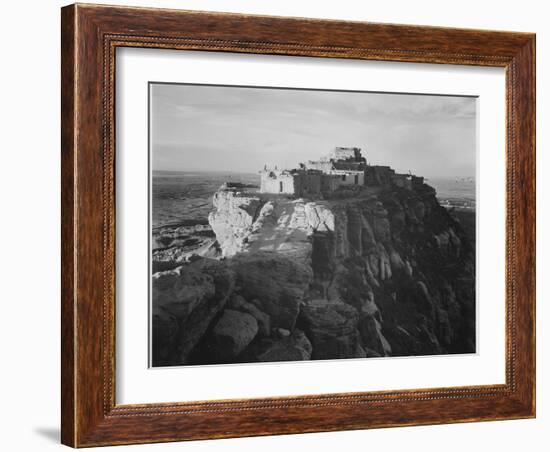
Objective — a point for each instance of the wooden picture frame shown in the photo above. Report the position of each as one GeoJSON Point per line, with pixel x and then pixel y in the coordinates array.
{"type": "Point", "coordinates": [90, 35]}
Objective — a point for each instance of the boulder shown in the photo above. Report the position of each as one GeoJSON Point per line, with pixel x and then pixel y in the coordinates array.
{"type": "Point", "coordinates": [180, 290]}
{"type": "Point", "coordinates": [403, 343]}
{"type": "Point", "coordinates": [281, 332]}
{"type": "Point", "coordinates": [294, 347]}
{"type": "Point", "coordinates": [232, 333]}
{"type": "Point", "coordinates": [275, 285]}
{"type": "Point", "coordinates": [301, 341]}
{"type": "Point", "coordinates": [332, 329]}
{"type": "Point", "coordinates": [189, 296]}
{"type": "Point", "coordinates": [238, 303]}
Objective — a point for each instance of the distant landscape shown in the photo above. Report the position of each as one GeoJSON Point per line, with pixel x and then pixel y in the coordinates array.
{"type": "Point", "coordinates": [179, 195]}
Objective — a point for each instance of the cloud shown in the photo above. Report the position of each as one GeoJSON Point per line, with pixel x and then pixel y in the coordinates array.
{"type": "Point", "coordinates": [197, 126]}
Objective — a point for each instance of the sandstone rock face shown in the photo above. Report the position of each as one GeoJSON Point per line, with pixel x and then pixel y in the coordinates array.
{"type": "Point", "coordinates": [232, 219]}
{"type": "Point", "coordinates": [332, 329]}
{"type": "Point", "coordinates": [378, 272]}
{"type": "Point", "coordinates": [175, 244]}
{"type": "Point", "coordinates": [373, 339]}
{"type": "Point", "coordinates": [252, 224]}
{"type": "Point", "coordinates": [274, 283]}
{"type": "Point", "coordinates": [186, 300]}
{"type": "Point", "coordinates": [179, 292]}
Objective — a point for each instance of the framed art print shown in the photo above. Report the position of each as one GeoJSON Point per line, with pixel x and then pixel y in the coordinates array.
{"type": "Point", "coordinates": [281, 225]}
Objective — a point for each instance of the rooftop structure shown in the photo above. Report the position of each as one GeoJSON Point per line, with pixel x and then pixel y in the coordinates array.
{"type": "Point", "coordinates": [342, 153]}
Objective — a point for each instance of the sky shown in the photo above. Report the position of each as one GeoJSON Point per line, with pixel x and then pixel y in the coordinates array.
{"type": "Point", "coordinates": [241, 129]}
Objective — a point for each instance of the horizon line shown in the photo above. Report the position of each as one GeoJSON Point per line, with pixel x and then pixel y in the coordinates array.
{"type": "Point", "coordinates": [462, 176]}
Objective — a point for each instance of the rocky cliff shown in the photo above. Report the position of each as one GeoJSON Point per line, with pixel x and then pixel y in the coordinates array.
{"type": "Point", "coordinates": [379, 272]}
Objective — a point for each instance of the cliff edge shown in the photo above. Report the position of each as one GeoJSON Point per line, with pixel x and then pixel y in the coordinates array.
{"type": "Point", "coordinates": [378, 272]}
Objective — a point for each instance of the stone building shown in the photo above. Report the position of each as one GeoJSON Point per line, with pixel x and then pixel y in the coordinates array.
{"type": "Point", "coordinates": [347, 154]}
{"type": "Point", "coordinates": [346, 163]}
{"type": "Point", "coordinates": [297, 182]}
{"type": "Point", "coordinates": [379, 175]}
{"type": "Point", "coordinates": [417, 181]}
{"type": "Point", "coordinates": [349, 177]}
{"type": "Point", "coordinates": [330, 183]}
{"type": "Point", "coordinates": [343, 166]}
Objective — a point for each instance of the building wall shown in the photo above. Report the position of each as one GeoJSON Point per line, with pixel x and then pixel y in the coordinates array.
{"type": "Point", "coordinates": [321, 165]}
{"type": "Point", "coordinates": [287, 183]}
{"type": "Point", "coordinates": [341, 153]}
{"type": "Point", "coordinates": [417, 181]}
{"type": "Point", "coordinates": [277, 182]}
{"type": "Point", "coordinates": [350, 177]}
{"type": "Point", "coordinates": [312, 182]}
{"type": "Point", "coordinates": [330, 182]}
{"type": "Point", "coordinates": [309, 184]}
{"type": "Point", "coordinates": [380, 175]}
{"type": "Point", "coordinates": [349, 166]}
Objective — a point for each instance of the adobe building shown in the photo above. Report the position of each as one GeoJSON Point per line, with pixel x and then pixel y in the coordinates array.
{"type": "Point", "coordinates": [297, 182]}
{"type": "Point", "coordinates": [343, 166]}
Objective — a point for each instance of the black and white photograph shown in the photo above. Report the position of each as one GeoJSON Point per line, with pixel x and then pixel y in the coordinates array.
{"type": "Point", "coordinates": [298, 224]}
